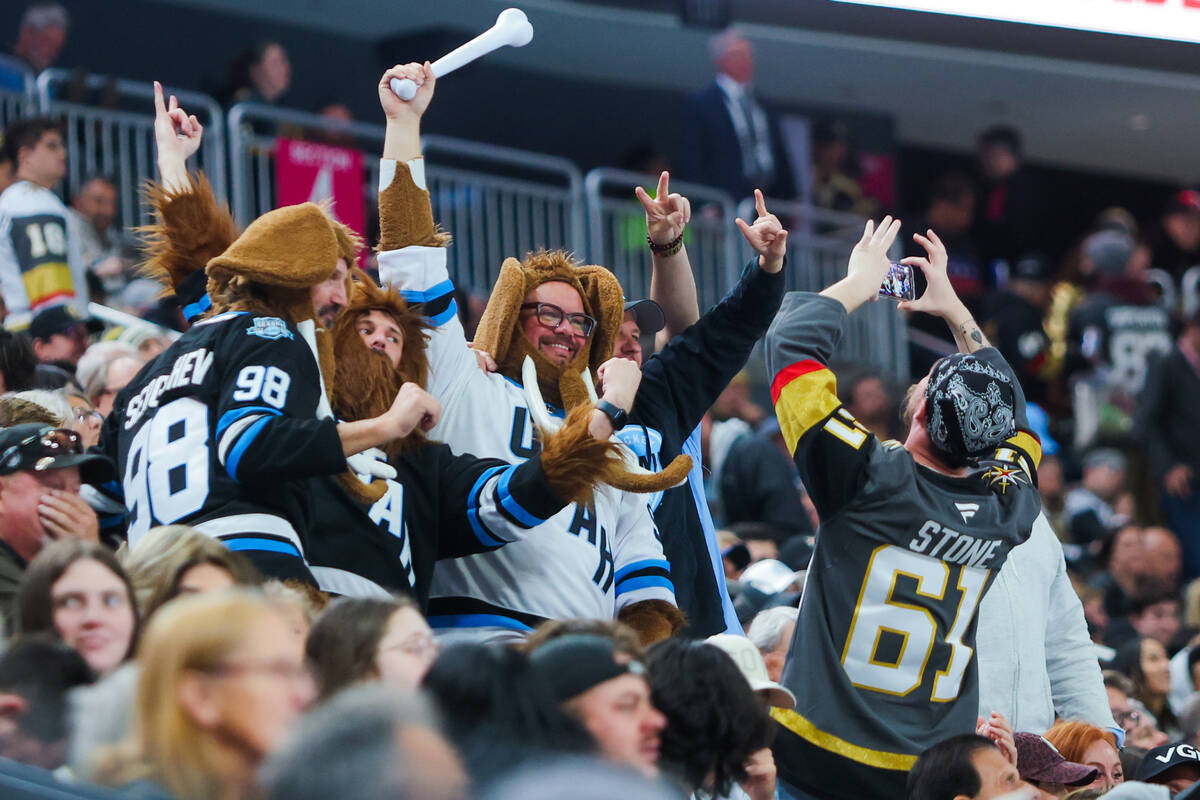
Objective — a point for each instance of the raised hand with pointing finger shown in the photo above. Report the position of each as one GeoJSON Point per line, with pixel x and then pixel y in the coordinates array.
{"type": "Point", "coordinates": [767, 235]}
{"type": "Point", "coordinates": [177, 137]}
{"type": "Point", "coordinates": [667, 213]}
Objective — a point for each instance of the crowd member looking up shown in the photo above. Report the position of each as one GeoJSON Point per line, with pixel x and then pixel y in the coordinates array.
{"type": "Point", "coordinates": [355, 640]}
{"type": "Point", "coordinates": [715, 723]}
{"type": "Point", "coordinates": [41, 469]}
{"type": "Point", "coordinates": [1176, 242]}
{"type": "Point", "coordinates": [965, 767]}
{"type": "Point", "coordinates": [609, 693]}
{"type": "Point", "coordinates": [1145, 662]}
{"type": "Point", "coordinates": [1086, 744]}
{"type": "Point", "coordinates": [771, 632]}
{"type": "Point", "coordinates": [870, 498]}
{"type": "Point", "coordinates": [730, 140]}
{"type": "Point", "coordinates": [174, 560]}
{"type": "Point", "coordinates": [36, 673]}
{"type": "Point", "coordinates": [40, 260]}
{"type": "Point", "coordinates": [383, 743]}
{"type": "Point", "coordinates": [42, 34]}
{"type": "Point", "coordinates": [222, 681]}
{"type": "Point", "coordinates": [1167, 420]}
{"type": "Point", "coordinates": [17, 361]}
{"type": "Point", "coordinates": [261, 74]}
{"type": "Point", "coordinates": [79, 592]}
{"type": "Point", "coordinates": [500, 710]}
{"type": "Point", "coordinates": [1008, 218]}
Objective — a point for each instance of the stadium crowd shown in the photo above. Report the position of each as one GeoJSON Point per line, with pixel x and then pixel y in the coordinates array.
{"type": "Point", "coordinates": [331, 533]}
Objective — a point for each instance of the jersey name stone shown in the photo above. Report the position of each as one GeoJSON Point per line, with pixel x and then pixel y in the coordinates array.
{"type": "Point", "coordinates": [938, 541]}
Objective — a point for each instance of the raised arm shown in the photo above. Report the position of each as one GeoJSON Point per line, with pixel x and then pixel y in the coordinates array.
{"type": "Point", "coordinates": [672, 284]}
{"type": "Point", "coordinates": [177, 136]}
{"type": "Point", "coordinates": [940, 299]}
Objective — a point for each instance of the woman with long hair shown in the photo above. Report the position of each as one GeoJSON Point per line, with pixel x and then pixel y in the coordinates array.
{"type": "Point", "coordinates": [223, 678]}
{"type": "Point", "coordinates": [364, 639]}
{"type": "Point", "coordinates": [1092, 746]}
{"type": "Point", "coordinates": [1145, 662]}
{"type": "Point", "coordinates": [78, 592]}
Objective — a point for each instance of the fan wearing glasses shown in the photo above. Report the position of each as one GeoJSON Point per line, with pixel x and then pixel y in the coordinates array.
{"type": "Point", "coordinates": [41, 468]}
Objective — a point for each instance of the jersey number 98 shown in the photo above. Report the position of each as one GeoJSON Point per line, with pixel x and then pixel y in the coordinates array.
{"type": "Point", "coordinates": [166, 469]}
{"type": "Point", "coordinates": [911, 628]}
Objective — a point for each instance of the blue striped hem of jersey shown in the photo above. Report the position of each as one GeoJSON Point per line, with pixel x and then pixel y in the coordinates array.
{"type": "Point", "coordinates": [244, 441]}
{"type": "Point", "coordinates": [481, 533]}
{"type": "Point", "coordinates": [477, 621]}
{"type": "Point", "coordinates": [509, 503]}
{"type": "Point", "coordinates": [233, 415]}
{"type": "Point", "coordinates": [432, 293]}
{"type": "Point", "coordinates": [268, 545]}
{"type": "Point", "coordinates": [654, 564]}
{"type": "Point", "coordinates": [645, 582]}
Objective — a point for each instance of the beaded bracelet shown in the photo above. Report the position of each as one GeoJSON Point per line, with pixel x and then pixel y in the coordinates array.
{"type": "Point", "coordinates": [669, 249]}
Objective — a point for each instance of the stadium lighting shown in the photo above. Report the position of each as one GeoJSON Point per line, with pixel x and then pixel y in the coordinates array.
{"type": "Point", "coordinates": [1157, 19]}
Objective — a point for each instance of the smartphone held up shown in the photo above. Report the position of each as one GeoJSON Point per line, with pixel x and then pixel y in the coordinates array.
{"type": "Point", "coordinates": [898, 284]}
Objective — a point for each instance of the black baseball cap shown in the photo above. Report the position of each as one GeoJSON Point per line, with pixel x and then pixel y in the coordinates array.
{"type": "Point", "coordinates": [570, 665]}
{"type": "Point", "coordinates": [39, 447]}
{"type": "Point", "coordinates": [648, 315]}
{"type": "Point", "coordinates": [1161, 760]}
{"type": "Point", "coordinates": [60, 319]}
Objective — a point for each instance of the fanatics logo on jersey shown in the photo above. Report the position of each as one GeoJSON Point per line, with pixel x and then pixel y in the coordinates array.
{"type": "Point", "coordinates": [967, 510]}
{"type": "Point", "coordinates": [269, 328]}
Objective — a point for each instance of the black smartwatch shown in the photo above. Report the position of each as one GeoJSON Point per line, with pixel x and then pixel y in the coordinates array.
{"type": "Point", "coordinates": [618, 417]}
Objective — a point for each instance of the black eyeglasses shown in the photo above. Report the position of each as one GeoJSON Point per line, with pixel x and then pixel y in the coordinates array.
{"type": "Point", "coordinates": [552, 316]}
{"type": "Point", "coordinates": [38, 452]}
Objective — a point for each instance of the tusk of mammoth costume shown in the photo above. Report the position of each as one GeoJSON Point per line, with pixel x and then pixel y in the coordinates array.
{"type": "Point", "coordinates": [591, 387]}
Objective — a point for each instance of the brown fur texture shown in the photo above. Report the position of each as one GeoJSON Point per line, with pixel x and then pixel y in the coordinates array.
{"type": "Point", "coordinates": [574, 462]}
{"type": "Point", "coordinates": [654, 620]}
{"type": "Point", "coordinates": [293, 247]}
{"type": "Point", "coordinates": [192, 227]}
{"type": "Point", "coordinates": [405, 216]}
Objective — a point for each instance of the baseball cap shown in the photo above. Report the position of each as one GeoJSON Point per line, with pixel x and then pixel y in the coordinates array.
{"type": "Point", "coordinates": [60, 319]}
{"type": "Point", "coordinates": [1162, 760]}
{"type": "Point", "coordinates": [570, 665]}
{"type": "Point", "coordinates": [750, 662]}
{"type": "Point", "coordinates": [38, 447]}
{"type": "Point", "coordinates": [770, 576]}
{"type": "Point", "coordinates": [648, 315]}
{"type": "Point", "coordinates": [1038, 760]}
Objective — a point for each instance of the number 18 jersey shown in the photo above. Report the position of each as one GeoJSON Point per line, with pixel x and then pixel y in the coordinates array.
{"type": "Point", "coordinates": [214, 432]}
{"type": "Point", "coordinates": [882, 660]}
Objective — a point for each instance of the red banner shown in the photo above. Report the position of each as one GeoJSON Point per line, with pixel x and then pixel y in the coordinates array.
{"type": "Point", "coordinates": [306, 171]}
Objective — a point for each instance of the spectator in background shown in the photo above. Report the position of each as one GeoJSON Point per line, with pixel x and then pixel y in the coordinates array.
{"type": "Point", "coordinates": [372, 743]}
{"type": "Point", "coordinates": [1091, 746]}
{"type": "Point", "coordinates": [1044, 767]}
{"type": "Point", "coordinates": [866, 396]}
{"type": "Point", "coordinates": [758, 483]}
{"type": "Point", "coordinates": [730, 140]}
{"type": "Point", "coordinates": [1175, 766]}
{"type": "Point", "coordinates": [1013, 320]}
{"type": "Point", "coordinates": [94, 209]}
{"type": "Point", "coordinates": [357, 640]}
{"type": "Point", "coordinates": [36, 673]}
{"type": "Point", "coordinates": [222, 681]}
{"type": "Point", "coordinates": [85, 419]}
{"type": "Point", "coordinates": [834, 183]}
{"type": "Point", "coordinates": [1153, 613]}
{"type": "Point", "coordinates": [78, 592]}
{"type": "Point", "coordinates": [1138, 723]}
{"type": "Point", "coordinates": [1009, 215]}
{"type": "Point", "coordinates": [60, 336]}
{"type": "Point", "coordinates": [966, 765]}
{"type": "Point", "coordinates": [1164, 556]}
{"type": "Point", "coordinates": [110, 379]}
{"type": "Point", "coordinates": [40, 260]}
{"type": "Point", "coordinates": [40, 38]}
{"type": "Point", "coordinates": [40, 472]}
{"type": "Point", "coordinates": [1168, 422]}
{"type": "Point", "coordinates": [17, 361]}
{"type": "Point", "coordinates": [260, 74]}
{"type": "Point", "coordinates": [1176, 242]}
{"type": "Point", "coordinates": [1090, 508]}
{"type": "Point", "coordinates": [1124, 556]}
{"type": "Point", "coordinates": [1144, 661]}
{"type": "Point", "coordinates": [771, 632]}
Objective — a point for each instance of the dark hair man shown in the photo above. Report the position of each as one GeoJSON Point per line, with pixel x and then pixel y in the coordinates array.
{"type": "Point", "coordinates": [964, 767]}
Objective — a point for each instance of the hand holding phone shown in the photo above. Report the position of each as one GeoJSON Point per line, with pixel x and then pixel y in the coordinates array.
{"type": "Point", "coordinates": [898, 284]}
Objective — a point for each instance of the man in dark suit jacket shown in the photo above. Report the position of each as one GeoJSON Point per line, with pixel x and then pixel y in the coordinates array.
{"type": "Point", "coordinates": [730, 140]}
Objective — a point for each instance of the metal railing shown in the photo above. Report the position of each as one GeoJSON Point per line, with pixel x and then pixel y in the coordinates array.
{"type": "Point", "coordinates": [617, 233]}
{"type": "Point", "coordinates": [15, 101]}
{"type": "Point", "coordinates": [819, 245]}
{"type": "Point", "coordinates": [118, 141]}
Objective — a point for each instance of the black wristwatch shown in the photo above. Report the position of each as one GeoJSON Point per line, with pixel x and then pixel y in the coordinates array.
{"type": "Point", "coordinates": [617, 416]}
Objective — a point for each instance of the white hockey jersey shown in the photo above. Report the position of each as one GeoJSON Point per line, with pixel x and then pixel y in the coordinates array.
{"type": "Point", "coordinates": [41, 260]}
{"type": "Point", "coordinates": [587, 561]}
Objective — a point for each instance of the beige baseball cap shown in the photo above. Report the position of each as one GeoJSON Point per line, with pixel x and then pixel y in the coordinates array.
{"type": "Point", "coordinates": [750, 662]}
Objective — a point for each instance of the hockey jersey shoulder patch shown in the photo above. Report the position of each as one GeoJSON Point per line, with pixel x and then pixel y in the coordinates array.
{"type": "Point", "coordinates": [269, 328]}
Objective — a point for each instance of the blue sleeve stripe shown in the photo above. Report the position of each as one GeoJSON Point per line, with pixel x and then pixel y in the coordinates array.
{"type": "Point", "coordinates": [432, 293]}
{"type": "Point", "coordinates": [648, 582]}
{"type": "Point", "coordinates": [482, 534]}
{"type": "Point", "coordinates": [243, 442]}
{"type": "Point", "coordinates": [450, 313]}
{"type": "Point", "coordinates": [233, 415]}
{"type": "Point", "coordinates": [268, 545]}
{"type": "Point", "coordinates": [510, 504]}
{"type": "Point", "coordinates": [476, 621]}
{"type": "Point", "coordinates": [193, 310]}
{"type": "Point", "coordinates": [649, 563]}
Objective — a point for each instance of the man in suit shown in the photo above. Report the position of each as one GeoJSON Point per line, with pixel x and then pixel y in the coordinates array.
{"type": "Point", "coordinates": [730, 140]}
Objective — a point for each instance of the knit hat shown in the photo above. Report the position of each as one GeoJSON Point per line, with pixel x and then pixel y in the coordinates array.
{"type": "Point", "coordinates": [970, 407]}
